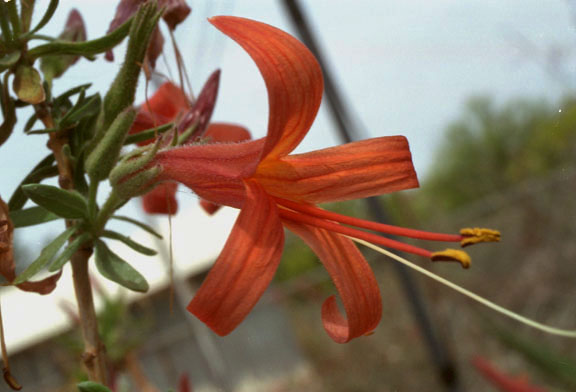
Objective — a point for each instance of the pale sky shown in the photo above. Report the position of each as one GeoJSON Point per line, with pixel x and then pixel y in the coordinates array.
{"type": "Point", "coordinates": [404, 66]}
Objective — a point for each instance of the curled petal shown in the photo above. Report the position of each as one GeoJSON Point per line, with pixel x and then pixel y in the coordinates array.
{"type": "Point", "coordinates": [162, 199]}
{"type": "Point", "coordinates": [353, 278]}
{"type": "Point", "coordinates": [350, 171]}
{"type": "Point", "coordinates": [292, 75]}
{"type": "Point", "coordinates": [213, 171]}
{"type": "Point", "coordinates": [245, 267]}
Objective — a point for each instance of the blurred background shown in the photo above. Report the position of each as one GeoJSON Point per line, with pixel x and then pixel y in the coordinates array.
{"type": "Point", "coordinates": [484, 92]}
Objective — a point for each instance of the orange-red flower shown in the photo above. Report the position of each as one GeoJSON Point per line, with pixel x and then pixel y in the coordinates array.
{"type": "Point", "coordinates": [274, 190]}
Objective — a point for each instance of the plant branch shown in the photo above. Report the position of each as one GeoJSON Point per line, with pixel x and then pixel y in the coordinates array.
{"type": "Point", "coordinates": [94, 356]}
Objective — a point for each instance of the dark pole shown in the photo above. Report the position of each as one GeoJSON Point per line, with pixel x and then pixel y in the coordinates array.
{"type": "Point", "coordinates": [446, 369]}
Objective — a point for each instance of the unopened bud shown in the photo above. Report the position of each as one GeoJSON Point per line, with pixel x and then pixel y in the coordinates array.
{"type": "Point", "coordinates": [132, 163]}
{"type": "Point", "coordinates": [104, 156]}
{"type": "Point", "coordinates": [194, 122]}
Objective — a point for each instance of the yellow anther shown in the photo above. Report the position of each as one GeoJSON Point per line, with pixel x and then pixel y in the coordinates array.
{"type": "Point", "coordinates": [477, 235]}
{"type": "Point", "coordinates": [452, 255]}
{"type": "Point", "coordinates": [370, 333]}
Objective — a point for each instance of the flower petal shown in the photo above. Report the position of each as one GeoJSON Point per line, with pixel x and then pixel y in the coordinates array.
{"type": "Point", "coordinates": [162, 199]}
{"type": "Point", "coordinates": [209, 208]}
{"type": "Point", "coordinates": [292, 75]}
{"type": "Point", "coordinates": [168, 101]}
{"type": "Point", "coordinates": [213, 171]}
{"type": "Point", "coordinates": [226, 133]}
{"type": "Point", "coordinates": [245, 267]}
{"type": "Point", "coordinates": [353, 278]}
{"type": "Point", "coordinates": [350, 171]}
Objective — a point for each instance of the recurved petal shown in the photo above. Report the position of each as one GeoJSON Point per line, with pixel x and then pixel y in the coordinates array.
{"type": "Point", "coordinates": [292, 75]}
{"type": "Point", "coordinates": [354, 281]}
{"type": "Point", "coordinates": [355, 170]}
{"type": "Point", "coordinates": [245, 267]}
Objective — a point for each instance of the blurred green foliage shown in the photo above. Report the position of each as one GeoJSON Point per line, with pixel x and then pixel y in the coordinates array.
{"type": "Point", "coordinates": [492, 147]}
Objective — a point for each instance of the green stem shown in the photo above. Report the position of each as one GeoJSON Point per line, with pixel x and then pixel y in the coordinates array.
{"type": "Point", "coordinates": [108, 209]}
{"type": "Point", "coordinates": [92, 204]}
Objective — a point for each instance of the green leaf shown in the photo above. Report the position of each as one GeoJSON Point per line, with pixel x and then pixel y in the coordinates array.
{"type": "Point", "coordinates": [31, 216]}
{"type": "Point", "coordinates": [47, 16]}
{"type": "Point", "coordinates": [67, 204]}
{"type": "Point", "coordinates": [59, 262]}
{"type": "Point", "coordinates": [8, 114]}
{"type": "Point", "coordinates": [113, 267]}
{"type": "Point", "coordinates": [148, 134]}
{"type": "Point", "coordinates": [87, 108]}
{"type": "Point", "coordinates": [9, 60]}
{"type": "Point", "coordinates": [27, 85]}
{"type": "Point", "coordinates": [141, 225]}
{"type": "Point", "coordinates": [85, 48]}
{"type": "Point", "coordinates": [45, 256]}
{"type": "Point", "coordinates": [91, 386]}
{"type": "Point", "coordinates": [73, 91]}
{"type": "Point", "coordinates": [129, 242]}
{"type": "Point", "coordinates": [44, 169]}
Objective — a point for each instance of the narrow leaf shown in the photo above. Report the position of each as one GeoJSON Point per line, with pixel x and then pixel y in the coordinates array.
{"type": "Point", "coordinates": [45, 256]}
{"type": "Point", "coordinates": [9, 60]}
{"type": "Point", "coordinates": [67, 204]}
{"type": "Point", "coordinates": [129, 242]}
{"type": "Point", "coordinates": [47, 16]}
{"type": "Point", "coordinates": [59, 262]}
{"type": "Point", "coordinates": [31, 216]}
{"type": "Point", "coordinates": [141, 225]}
{"type": "Point", "coordinates": [44, 169]}
{"type": "Point", "coordinates": [85, 48]}
{"type": "Point", "coordinates": [88, 108]}
{"type": "Point", "coordinates": [148, 134]}
{"type": "Point", "coordinates": [116, 269]}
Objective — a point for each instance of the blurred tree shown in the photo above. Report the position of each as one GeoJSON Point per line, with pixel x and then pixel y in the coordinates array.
{"type": "Point", "coordinates": [490, 148]}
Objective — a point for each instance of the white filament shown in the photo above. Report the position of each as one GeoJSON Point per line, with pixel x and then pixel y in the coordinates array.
{"type": "Point", "coordinates": [524, 320]}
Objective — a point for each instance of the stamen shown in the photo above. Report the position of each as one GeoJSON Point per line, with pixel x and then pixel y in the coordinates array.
{"type": "Point", "coordinates": [380, 227]}
{"type": "Point", "coordinates": [452, 255]}
{"type": "Point", "coordinates": [476, 235]}
{"type": "Point", "coordinates": [569, 333]}
{"type": "Point", "coordinates": [335, 227]}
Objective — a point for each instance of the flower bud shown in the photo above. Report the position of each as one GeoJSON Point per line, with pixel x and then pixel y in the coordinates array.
{"type": "Point", "coordinates": [103, 157]}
